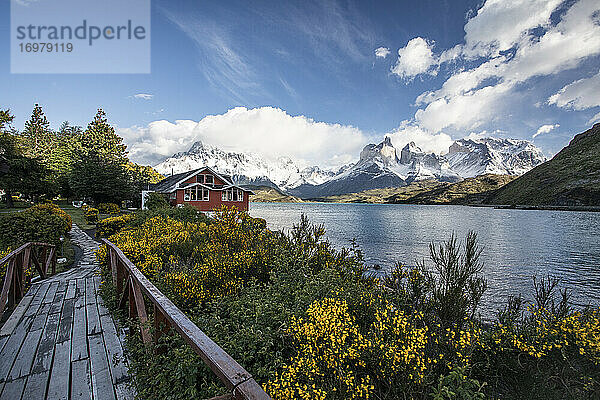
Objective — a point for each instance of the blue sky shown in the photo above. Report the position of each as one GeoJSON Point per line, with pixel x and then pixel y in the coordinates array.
{"type": "Point", "coordinates": [311, 84]}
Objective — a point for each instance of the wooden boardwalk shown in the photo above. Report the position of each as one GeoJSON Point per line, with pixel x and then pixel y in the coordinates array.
{"type": "Point", "coordinates": [61, 342]}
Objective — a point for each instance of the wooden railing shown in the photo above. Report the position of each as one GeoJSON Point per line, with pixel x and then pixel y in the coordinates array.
{"type": "Point", "coordinates": [131, 285]}
{"type": "Point", "coordinates": [41, 255]}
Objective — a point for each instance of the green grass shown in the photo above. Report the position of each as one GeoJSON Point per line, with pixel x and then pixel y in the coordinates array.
{"type": "Point", "coordinates": [77, 216]}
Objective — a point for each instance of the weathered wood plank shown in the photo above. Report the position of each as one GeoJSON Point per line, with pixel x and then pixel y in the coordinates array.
{"type": "Point", "coordinates": [24, 360]}
{"type": "Point", "coordinates": [101, 379]}
{"type": "Point", "coordinates": [102, 310]}
{"type": "Point", "coordinates": [51, 292]}
{"type": "Point", "coordinates": [39, 320]}
{"type": "Point", "coordinates": [37, 299]}
{"type": "Point", "coordinates": [35, 387]}
{"type": "Point", "coordinates": [3, 340]}
{"type": "Point", "coordinates": [12, 321]}
{"type": "Point", "coordinates": [13, 389]}
{"type": "Point", "coordinates": [58, 388]}
{"type": "Point", "coordinates": [56, 305]}
{"type": "Point", "coordinates": [114, 350]}
{"type": "Point", "coordinates": [79, 348]}
{"type": "Point", "coordinates": [80, 293]}
{"type": "Point", "coordinates": [66, 322]}
{"type": "Point", "coordinates": [90, 293]}
{"type": "Point", "coordinates": [45, 350]}
{"type": "Point", "coordinates": [71, 289]}
{"type": "Point", "coordinates": [93, 319]}
{"type": "Point", "coordinates": [81, 382]}
{"type": "Point", "coordinates": [12, 347]}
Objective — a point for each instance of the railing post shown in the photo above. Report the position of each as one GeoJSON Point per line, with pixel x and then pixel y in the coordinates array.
{"type": "Point", "coordinates": [54, 260]}
{"type": "Point", "coordinates": [120, 276]}
{"type": "Point", "coordinates": [27, 260]}
{"type": "Point", "coordinates": [43, 260]}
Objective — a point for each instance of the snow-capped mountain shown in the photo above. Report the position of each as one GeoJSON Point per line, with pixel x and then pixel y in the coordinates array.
{"type": "Point", "coordinates": [244, 168]}
{"type": "Point", "coordinates": [472, 157]}
{"type": "Point", "coordinates": [379, 166]}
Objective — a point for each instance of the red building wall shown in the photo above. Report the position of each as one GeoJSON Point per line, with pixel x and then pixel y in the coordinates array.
{"type": "Point", "coordinates": [214, 201]}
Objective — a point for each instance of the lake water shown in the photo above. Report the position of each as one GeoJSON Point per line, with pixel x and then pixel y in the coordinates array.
{"type": "Point", "coordinates": [518, 244]}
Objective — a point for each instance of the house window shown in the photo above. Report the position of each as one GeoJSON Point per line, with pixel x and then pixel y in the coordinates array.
{"type": "Point", "coordinates": [208, 179]}
{"type": "Point", "coordinates": [232, 195]}
{"type": "Point", "coordinates": [173, 196]}
{"type": "Point", "coordinates": [196, 194]}
{"type": "Point", "coordinates": [200, 178]}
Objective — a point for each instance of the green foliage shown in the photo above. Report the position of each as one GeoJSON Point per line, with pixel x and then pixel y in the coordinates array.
{"type": "Point", "coordinates": [40, 223]}
{"type": "Point", "coordinates": [100, 180]}
{"type": "Point", "coordinates": [307, 322]}
{"type": "Point", "coordinates": [91, 215]}
{"type": "Point", "coordinates": [109, 226]}
{"type": "Point", "coordinates": [156, 201]}
{"type": "Point", "coordinates": [457, 385]}
{"type": "Point", "coordinates": [109, 208]}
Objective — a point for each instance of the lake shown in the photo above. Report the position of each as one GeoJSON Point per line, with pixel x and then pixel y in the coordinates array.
{"type": "Point", "coordinates": [518, 244]}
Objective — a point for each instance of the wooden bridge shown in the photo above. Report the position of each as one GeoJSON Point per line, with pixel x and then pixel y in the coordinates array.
{"type": "Point", "coordinates": [60, 342]}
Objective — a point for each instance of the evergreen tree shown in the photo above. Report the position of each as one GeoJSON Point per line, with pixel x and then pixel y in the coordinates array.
{"type": "Point", "coordinates": [100, 169]}
{"type": "Point", "coordinates": [37, 135]}
{"type": "Point", "coordinates": [18, 173]}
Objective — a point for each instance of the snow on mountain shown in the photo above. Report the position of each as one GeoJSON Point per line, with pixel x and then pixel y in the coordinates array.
{"type": "Point", "coordinates": [244, 168]}
{"type": "Point", "coordinates": [379, 166]}
{"type": "Point", "coordinates": [472, 157]}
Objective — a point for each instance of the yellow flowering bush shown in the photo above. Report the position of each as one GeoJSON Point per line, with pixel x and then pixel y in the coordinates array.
{"type": "Point", "coordinates": [110, 226]}
{"type": "Point", "coordinates": [91, 215]}
{"type": "Point", "coordinates": [109, 208]}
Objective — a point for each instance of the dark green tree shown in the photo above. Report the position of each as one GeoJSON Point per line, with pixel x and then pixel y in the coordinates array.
{"type": "Point", "coordinates": [100, 170]}
{"type": "Point", "coordinates": [18, 173]}
{"type": "Point", "coordinates": [37, 136]}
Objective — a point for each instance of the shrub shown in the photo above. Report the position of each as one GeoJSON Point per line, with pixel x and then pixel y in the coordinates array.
{"type": "Point", "coordinates": [109, 208]}
{"type": "Point", "coordinates": [109, 226]}
{"type": "Point", "coordinates": [91, 215]}
{"type": "Point", "coordinates": [156, 201]}
{"type": "Point", "coordinates": [40, 223]}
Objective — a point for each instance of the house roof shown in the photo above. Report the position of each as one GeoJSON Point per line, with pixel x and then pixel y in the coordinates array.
{"type": "Point", "coordinates": [173, 182]}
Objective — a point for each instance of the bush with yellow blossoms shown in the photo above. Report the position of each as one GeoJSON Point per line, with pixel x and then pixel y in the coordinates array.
{"type": "Point", "coordinates": [308, 322]}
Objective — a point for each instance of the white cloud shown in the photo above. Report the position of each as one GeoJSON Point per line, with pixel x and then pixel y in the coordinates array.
{"type": "Point", "coordinates": [474, 96]}
{"type": "Point", "coordinates": [143, 96]}
{"type": "Point", "coordinates": [500, 24]}
{"type": "Point", "coordinates": [414, 59]}
{"type": "Point", "coordinates": [410, 132]}
{"type": "Point", "coordinates": [594, 119]}
{"type": "Point", "coordinates": [579, 95]}
{"type": "Point", "coordinates": [382, 52]}
{"type": "Point", "coordinates": [544, 129]}
{"type": "Point", "coordinates": [269, 132]}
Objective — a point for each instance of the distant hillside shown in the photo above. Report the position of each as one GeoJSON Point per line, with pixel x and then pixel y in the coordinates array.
{"type": "Point", "coordinates": [571, 178]}
{"type": "Point", "coordinates": [381, 195]}
{"type": "Point", "coordinates": [470, 191]}
{"type": "Point", "coordinates": [271, 195]}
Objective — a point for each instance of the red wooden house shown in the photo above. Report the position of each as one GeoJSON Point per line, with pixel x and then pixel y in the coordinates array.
{"type": "Point", "coordinates": [203, 188]}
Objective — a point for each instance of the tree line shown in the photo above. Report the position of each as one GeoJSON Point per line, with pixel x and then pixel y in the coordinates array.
{"type": "Point", "coordinates": [39, 163]}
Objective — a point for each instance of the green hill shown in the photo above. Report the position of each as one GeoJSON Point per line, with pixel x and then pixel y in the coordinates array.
{"type": "Point", "coordinates": [271, 195]}
{"type": "Point", "coordinates": [571, 178]}
{"type": "Point", "coordinates": [470, 191]}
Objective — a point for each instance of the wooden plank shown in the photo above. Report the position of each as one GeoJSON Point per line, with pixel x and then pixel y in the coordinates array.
{"type": "Point", "coordinates": [45, 350]}
{"type": "Point", "coordinates": [80, 293]}
{"type": "Point", "coordinates": [58, 388]}
{"type": "Point", "coordinates": [90, 293]}
{"type": "Point", "coordinates": [66, 322]}
{"type": "Point", "coordinates": [13, 389]}
{"type": "Point", "coordinates": [114, 350]}
{"type": "Point", "coordinates": [35, 387]}
{"type": "Point", "coordinates": [93, 320]}
{"type": "Point", "coordinates": [3, 341]}
{"type": "Point", "coordinates": [15, 317]}
{"type": "Point", "coordinates": [79, 348]}
{"type": "Point", "coordinates": [102, 310]}
{"type": "Point", "coordinates": [101, 379]}
{"type": "Point", "coordinates": [71, 289]}
{"type": "Point", "coordinates": [12, 347]}
{"type": "Point", "coordinates": [24, 360]}
{"type": "Point", "coordinates": [37, 299]}
{"type": "Point", "coordinates": [51, 292]}
{"type": "Point", "coordinates": [81, 382]}
{"type": "Point", "coordinates": [39, 320]}
{"type": "Point", "coordinates": [56, 305]}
